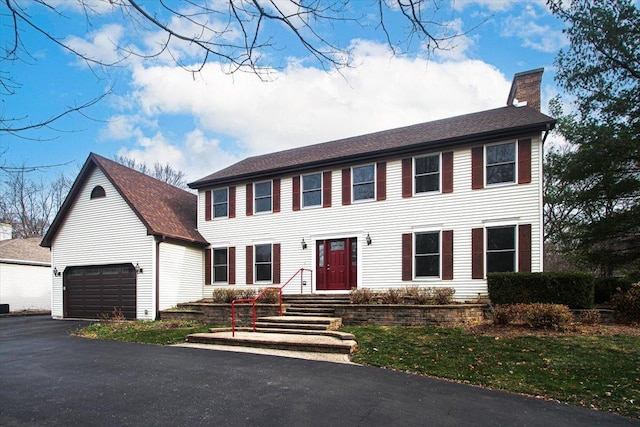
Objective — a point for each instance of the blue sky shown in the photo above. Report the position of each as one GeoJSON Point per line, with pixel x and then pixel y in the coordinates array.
{"type": "Point", "coordinates": [201, 123]}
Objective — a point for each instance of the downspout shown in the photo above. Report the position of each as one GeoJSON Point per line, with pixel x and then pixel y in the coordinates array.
{"type": "Point", "coordinates": [546, 133]}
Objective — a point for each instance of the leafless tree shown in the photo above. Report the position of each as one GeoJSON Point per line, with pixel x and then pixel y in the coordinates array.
{"type": "Point", "coordinates": [29, 204]}
{"type": "Point", "coordinates": [165, 173]}
{"type": "Point", "coordinates": [238, 35]}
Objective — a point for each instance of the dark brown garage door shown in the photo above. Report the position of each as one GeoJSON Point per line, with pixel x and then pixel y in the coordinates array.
{"type": "Point", "coordinates": [94, 291]}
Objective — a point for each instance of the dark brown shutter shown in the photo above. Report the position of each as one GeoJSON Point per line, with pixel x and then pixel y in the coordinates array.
{"type": "Point", "coordinates": [407, 178]}
{"type": "Point", "coordinates": [524, 161]}
{"type": "Point", "coordinates": [477, 253]}
{"type": "Point", "coordinates": [207, 205]}
{"type": "Point", "coordinates": [381, 181]}
{"type": "Point", "coordinates": [276, 195]}
{"type": "Point", "coordinates": [231, 253]}
{"type": "Point", "coordinates": [232, 202]}
{"type": "Point", "coordinates": [524, 248]}
{"type": "Point", "coordinates": [296, 192]}
{"type": "Point", "coordinates": [249, 265]}
{"type": "Point", "coordinates": [207, 266]}
{"type": "Point", "coordinates": [447, 255]}
{"type": "Point", "coordinates": [407, 257]}
{"type": "Point", "coordinates": [477, 168]}
{"type": "Point", "coordinates": [249, 199]}
{"type": "Point", "coordinates": [346, 186]}
{"type": "Point", "coordinates": [276, 263]}
{"type": "Point", "coordinates": [326, 189]}
{"type": "Point", "coordinates": [447, 172]}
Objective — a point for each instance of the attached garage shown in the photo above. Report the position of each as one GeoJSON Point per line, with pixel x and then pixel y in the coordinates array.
{"type": "Point", "coordinates": [92, 292]}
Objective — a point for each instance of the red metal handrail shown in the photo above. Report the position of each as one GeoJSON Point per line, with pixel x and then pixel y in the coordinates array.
{"type": "Point", "coordinates": [262, 292]}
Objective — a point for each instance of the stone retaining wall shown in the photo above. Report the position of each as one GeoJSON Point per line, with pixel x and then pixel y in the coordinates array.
{"type": "Point", "coordinates": [373, 314]}
{"type": "Point", "coordinates": [410, 315]}
{"type": "Point", "coordinates": [219, 314]}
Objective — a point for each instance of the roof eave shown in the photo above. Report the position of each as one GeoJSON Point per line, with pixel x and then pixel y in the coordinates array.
{"type": "Point", "coordinates": [409, 149]}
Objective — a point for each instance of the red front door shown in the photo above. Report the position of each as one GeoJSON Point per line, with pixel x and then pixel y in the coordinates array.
{"type": "Point", "coordinates": [336, 264]}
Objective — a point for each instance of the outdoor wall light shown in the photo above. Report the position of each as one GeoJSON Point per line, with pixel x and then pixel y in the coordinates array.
{"type": "Point", "coordinates": [138, 268]}
{"type": "Point", "coordinates": [56, 273]}
{"type": "Point", "coordinates": [368, 239]}
{"type": "Point", "coordinates": [303, 244]}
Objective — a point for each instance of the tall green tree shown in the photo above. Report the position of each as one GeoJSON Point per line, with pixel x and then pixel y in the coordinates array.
{"type": "Point", "coordinates": [593, 186]}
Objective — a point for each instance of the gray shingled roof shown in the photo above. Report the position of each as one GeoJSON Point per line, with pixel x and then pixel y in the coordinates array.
{"type": "Point", "coordinates": [500, 122]}
{"type": "Point", "coordinates": [26, 250]}
{"type": "Point", "coordinates": [165, 210]}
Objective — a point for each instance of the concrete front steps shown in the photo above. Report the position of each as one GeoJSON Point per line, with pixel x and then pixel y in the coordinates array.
{"type": "Point", "coordinates": [308, 325]}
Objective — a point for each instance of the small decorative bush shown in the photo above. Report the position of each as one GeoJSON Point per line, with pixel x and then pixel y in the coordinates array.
{"type": "Point", "coordinates": [590, 317]}
{"type": "Point", "coordinates": [391, 296]}
{"type": "Point", "coordinates": [626, 305]}
{"type": "Point", "coordinates": [505, 314]}
{"type": "Point", "coordinates": [227, 295]}
{"type": "Point", "coordinates": [361, 296]}
{"type": "Point", "coordinates": [443, 296]}
{"type": "Point", "coordinates": [535, 316]}
{"type": "Point", "coordinates": [271, 296]}
{"type": "Point", "coordinates": [547, 316]}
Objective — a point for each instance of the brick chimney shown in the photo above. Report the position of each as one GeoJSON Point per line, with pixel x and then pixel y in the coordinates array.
{"type": "Point", "coordinates": [525, 89]}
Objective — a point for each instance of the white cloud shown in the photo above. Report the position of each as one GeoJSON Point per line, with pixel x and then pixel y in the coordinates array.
{"type": "Point", "coordinates": [101, 45]}
{"type": "Point", "coordinates": [492, 5]}
{"type": "Point", "coordinates": [539, 37]}
{"type": "Point", "coordinates": [306, 105]}
{"type": "Point", "coordinates": [195, 155]}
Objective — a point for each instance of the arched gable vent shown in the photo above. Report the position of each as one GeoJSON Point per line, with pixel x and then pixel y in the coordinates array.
{"type": "Point", "coordinates": [97, 192]}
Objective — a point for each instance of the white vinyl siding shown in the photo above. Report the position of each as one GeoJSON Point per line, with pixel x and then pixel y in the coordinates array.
{"type": "Point", "coordinates": [180, 274]}
{"type": "Point", "coordinates": [380, 264]}
{"type": "Point", "coordinates": [24, 286]}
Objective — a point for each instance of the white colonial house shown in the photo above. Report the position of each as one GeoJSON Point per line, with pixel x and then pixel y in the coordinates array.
{"type": "Point", "coordinates": [437, 204]}
{"type": "Point", "coordinates": [123, 240]}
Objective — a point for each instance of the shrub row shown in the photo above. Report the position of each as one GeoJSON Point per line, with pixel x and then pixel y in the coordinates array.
{"type": "Point", "coordinates": [571, 289]}
{"type": "Point", "coordinates": [536, 316]}
{"type": "Point", "coordinates": [227, 295]}
{"type": "Point", "coordinates": [626, 305]}
{"type": "Point", "coordinates": [410, 295]}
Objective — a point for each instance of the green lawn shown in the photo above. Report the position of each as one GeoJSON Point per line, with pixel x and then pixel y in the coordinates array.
{"type": "Point", "coordinates": [602, 372]}
{"type": "Point", "coordinates": [159, 332]}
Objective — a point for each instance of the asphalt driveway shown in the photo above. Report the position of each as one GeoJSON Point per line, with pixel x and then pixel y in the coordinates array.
{"type": "Point", "coordinates": [50, 378]}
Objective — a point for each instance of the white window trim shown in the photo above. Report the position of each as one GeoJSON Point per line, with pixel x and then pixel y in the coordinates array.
{"type": "Point", "coordinates": [425, 230]}
{"type": "Point", "coordinates": [321, 191]}
{"type": "Point", "coordinates": [255, 264]}
{"type": "Point", "coordinates": [213, 275]}
{"type": "Point", "coordinates": [486, 242]}
{"type": "Point", "coordinates": [484, 165]}
{"type": "Point", "coordinates": [213, 204]}
{"type": "Point", "coordinates": [375, 184]}
{"type": "Point", "coordinates": [413, 175]}
{"type": "Point", "coordinates": [255, 205]}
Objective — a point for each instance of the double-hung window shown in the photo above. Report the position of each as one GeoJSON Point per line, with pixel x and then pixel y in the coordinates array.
{"type": "Point", "coordinates": [221, 203]}
{"type": "Point", "coordinates": [220, 265]}
{"type": "Point", "coordinates": [427, 173]}
{"type": "Point", "coordinates": [312, 190]}
{"type": "Point", "coordinates": [262, 196]}
{"type": "Point", "coordinates": [500, 163]}
{"type": "Point", "coordinates": [263, 263]}
{"type": "Point", "coordinates": [364, 182]}
{"type": "Point", "coordinates": [501, 249]}
{"type": "Point", "coordinates": [427, 255]}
